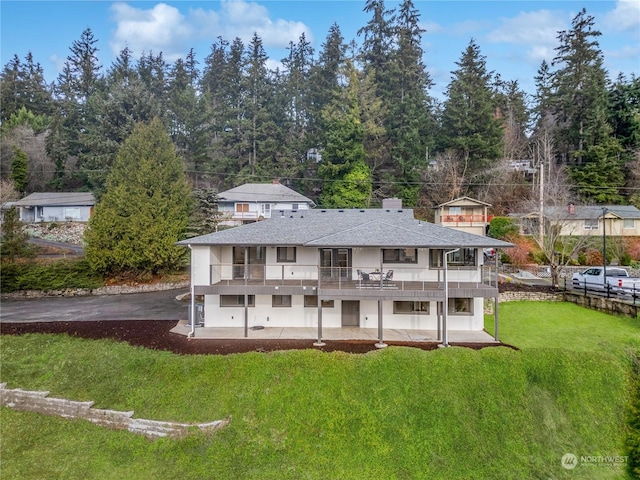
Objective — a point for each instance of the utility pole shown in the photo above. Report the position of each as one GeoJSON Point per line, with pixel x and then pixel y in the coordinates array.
{"type": "Point", "coordinates": [541, 200]}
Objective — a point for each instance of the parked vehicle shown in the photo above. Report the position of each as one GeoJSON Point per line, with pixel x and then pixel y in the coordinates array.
{"type": "Point", "coordinates": [617, 280]}
{"type": "Point", "coordinates": [489, 253]}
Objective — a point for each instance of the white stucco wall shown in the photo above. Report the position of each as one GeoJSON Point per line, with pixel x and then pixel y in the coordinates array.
{"type": "Point", "coordinates": [264, 314]}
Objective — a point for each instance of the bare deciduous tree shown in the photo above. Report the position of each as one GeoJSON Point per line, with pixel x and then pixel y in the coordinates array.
{"type": "Point", "coordinates": [548, 217]}
{"type": "Point", "coordinates": [444, 180]}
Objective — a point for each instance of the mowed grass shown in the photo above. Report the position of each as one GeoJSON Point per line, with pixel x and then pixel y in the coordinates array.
{"type": "Point", "coordinates": [397, 413]}
{"type": "Point", "coordinates": [563, 325]}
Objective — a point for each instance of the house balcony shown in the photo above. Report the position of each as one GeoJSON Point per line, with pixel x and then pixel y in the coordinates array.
{"type": "Point", "coordinates": [395, 282]}
{"type": "Point", "coordinates": [465, 220]}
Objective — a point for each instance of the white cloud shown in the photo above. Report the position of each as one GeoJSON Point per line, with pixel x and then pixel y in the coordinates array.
{"type": "Point", "coordinates": [537, 30]}
{"type": "Point", "coordinates": [57, 62]}
{"type": "Point", "coordinates": [165, 29]}
{"type": "Point", "coordinates": [160, 29]}
{"type": "Point", "coordinates": [626, 16]}
{"type": "Point", "coordinates": [238, 18]}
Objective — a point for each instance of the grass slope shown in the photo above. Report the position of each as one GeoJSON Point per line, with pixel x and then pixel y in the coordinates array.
{"type": "Point", "coordinates": [398, 413]}
{"type": "Point", "coordinates": [564, 325]}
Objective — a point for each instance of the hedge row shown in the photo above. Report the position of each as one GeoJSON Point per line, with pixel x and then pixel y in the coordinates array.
{"type": "Point", "coordinates": [57, 275]}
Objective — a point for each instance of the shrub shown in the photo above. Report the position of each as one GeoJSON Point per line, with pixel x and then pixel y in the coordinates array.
{"type": "Point", "coordinates": [502, 228]}
{"type": "Point", "coordinates": [593, 257]}
{"type": "Point", "coordinates": [57, 275]}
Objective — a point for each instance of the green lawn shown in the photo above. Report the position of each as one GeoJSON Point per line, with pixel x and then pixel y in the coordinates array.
{"type": "Point", "coordinates": [397, 413]}
{"type": "Point", "coordinates": [563, 325]}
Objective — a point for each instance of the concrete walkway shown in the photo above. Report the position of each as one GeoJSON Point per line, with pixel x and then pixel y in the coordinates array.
{"type": "Point", "coordinates": [344, 333]}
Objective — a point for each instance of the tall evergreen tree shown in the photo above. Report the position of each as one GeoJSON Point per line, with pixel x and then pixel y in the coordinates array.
{"type": "Point", "coordinates": [579, 87]}
{"type": "Point", "coordinates": [346, 176]}
{"type": "Point", "coordinates": [259, 127]}
{"type": "Point", "coordinates": [469, 124]}
{"type": "Point", "coordinates": [144, 210]}
{"type": "Point", "coordinates": [19, 174]}
{"type": "Point", "coordinates": [513, 109]}
{"type": "Point", "coordinates": [409, 122]}
{"type": "Point", "coordinates": [581, 111]}
{"type": "Point", "coordinates": [77, 82]}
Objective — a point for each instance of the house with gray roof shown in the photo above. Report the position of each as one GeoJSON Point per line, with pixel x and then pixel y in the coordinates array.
{"type": "Point", "coordinates": [56, 207]}
{"type": "Point", "coordinates": [255, 201]}
{"type": "Point", "coordinates": [354, 268]}
{"type": "Point", "coordinates": [585, 220]}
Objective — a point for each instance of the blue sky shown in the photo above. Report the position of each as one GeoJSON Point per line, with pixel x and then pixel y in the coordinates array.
{"type": "Point", "coordinates": [515, 36]}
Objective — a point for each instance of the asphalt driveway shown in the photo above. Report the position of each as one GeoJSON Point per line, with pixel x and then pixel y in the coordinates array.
{"type": "Point", "coordinates": [133, 306]}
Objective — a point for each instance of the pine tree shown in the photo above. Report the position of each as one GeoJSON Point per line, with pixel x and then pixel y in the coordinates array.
{"type": "Point", "coordinates": [144, 210]}
{"type": "Point", "coordinates": [14, 239]}
{"type": "Point", "coordinates": [346, 176]}
{"type": "Point", "coordinates": [579, 90]}
{"type": "Point", "coordinates": [19, 169]}
{"type": "Point", "coordinates": [469, 124]}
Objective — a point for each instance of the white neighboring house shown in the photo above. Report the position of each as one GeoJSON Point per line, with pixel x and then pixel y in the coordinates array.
{"type": "Point", "coordinates": [255, 201]}
{"type": "Point", "coordinates": [56, 207]}
{"type": "Point", "coordinates": [373, 268]}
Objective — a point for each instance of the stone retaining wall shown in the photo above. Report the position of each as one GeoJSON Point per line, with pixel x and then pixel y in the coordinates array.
{"type": "Point", "coordinates": [603, 304]}
{"type": "Point", "coordinates": [608, 305]}
{"type": "Point", "coordinates": [109, 290]}
{"type": "Point", "coordinates": [532, 296]}
{"type": "Point", "coordinates": [38, 401]}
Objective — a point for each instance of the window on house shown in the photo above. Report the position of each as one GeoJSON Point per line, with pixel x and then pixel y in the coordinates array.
{"type": "Point", "coordinates": [464, 257]}
{"type": "Point", "coordinates": [312, 301]}
{"type": "Point", "coordinates": [286, 254]}
{"type": "Point", "coordinates": [72, 213]}
{"type": "Point", "coordinates": [455, 210]}
{"type": "Point", "coordinates": [400, 255]}
{"type": "Point", "coordinates": [404, 307]}
{"type": "Point", "coordinates": [265, 209]}
{"type": "Point", "coordinates": [463, 306]}
{"type": "Point", "coordinates": [236, 300]}
{"type": "Point", "coordinates": [591, 223]}
{"type": "Point", "coordinates": [629, 223]}
{"type": "Point", "coordinates": [294, 207]}
{"type": "Point", "coordinates": [242, 207]}
{"type": "Point", "coordinates": [280, 300]}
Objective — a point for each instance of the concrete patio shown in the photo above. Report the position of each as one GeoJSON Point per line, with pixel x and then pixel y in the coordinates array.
{"type": "Point", "coordinates": [343, 333]}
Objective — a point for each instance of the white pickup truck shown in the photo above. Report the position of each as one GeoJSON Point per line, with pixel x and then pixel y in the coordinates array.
{"type": "Point", "coordinates": [618, 280]}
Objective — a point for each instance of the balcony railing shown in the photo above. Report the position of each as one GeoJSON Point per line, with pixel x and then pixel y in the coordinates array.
{"type": "Point", "coordinates": [457, 219]}
{"type": "Point", "coordinates": [395, 277]}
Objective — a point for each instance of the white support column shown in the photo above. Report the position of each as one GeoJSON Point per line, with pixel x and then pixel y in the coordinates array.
{"type": "Point", "coordinates": [319, 343]}
{"type": "Point", "coordinates": [380, 343]}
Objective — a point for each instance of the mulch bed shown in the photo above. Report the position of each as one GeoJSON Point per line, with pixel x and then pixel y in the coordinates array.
{"type": "Point", "coordinates": [156, 334]}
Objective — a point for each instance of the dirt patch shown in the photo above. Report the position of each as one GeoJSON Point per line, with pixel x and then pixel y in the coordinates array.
{"type": "Point", "coordinates": [156, 334]}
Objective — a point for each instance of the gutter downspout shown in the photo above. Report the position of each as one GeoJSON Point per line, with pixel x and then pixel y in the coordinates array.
{"type": "Point", "coordinates": [192, 313]}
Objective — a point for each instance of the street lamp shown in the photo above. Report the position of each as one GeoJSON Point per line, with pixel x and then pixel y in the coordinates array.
{"type": "Point", "coordinates": [445, 334]}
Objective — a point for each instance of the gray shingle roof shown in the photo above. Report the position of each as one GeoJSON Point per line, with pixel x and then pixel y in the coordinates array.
{"type": "Point", "coordinates": [263, 192]}
{"type": "Point", "coordinates": [584, 212]}
{"type": "Point", "coordinates": [346, 228]}
{"type": "Point", "coordinates": [57, 198]}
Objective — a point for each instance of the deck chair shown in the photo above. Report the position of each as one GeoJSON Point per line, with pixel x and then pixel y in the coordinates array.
{"type": "Point", "coordinates": [388, 276]}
